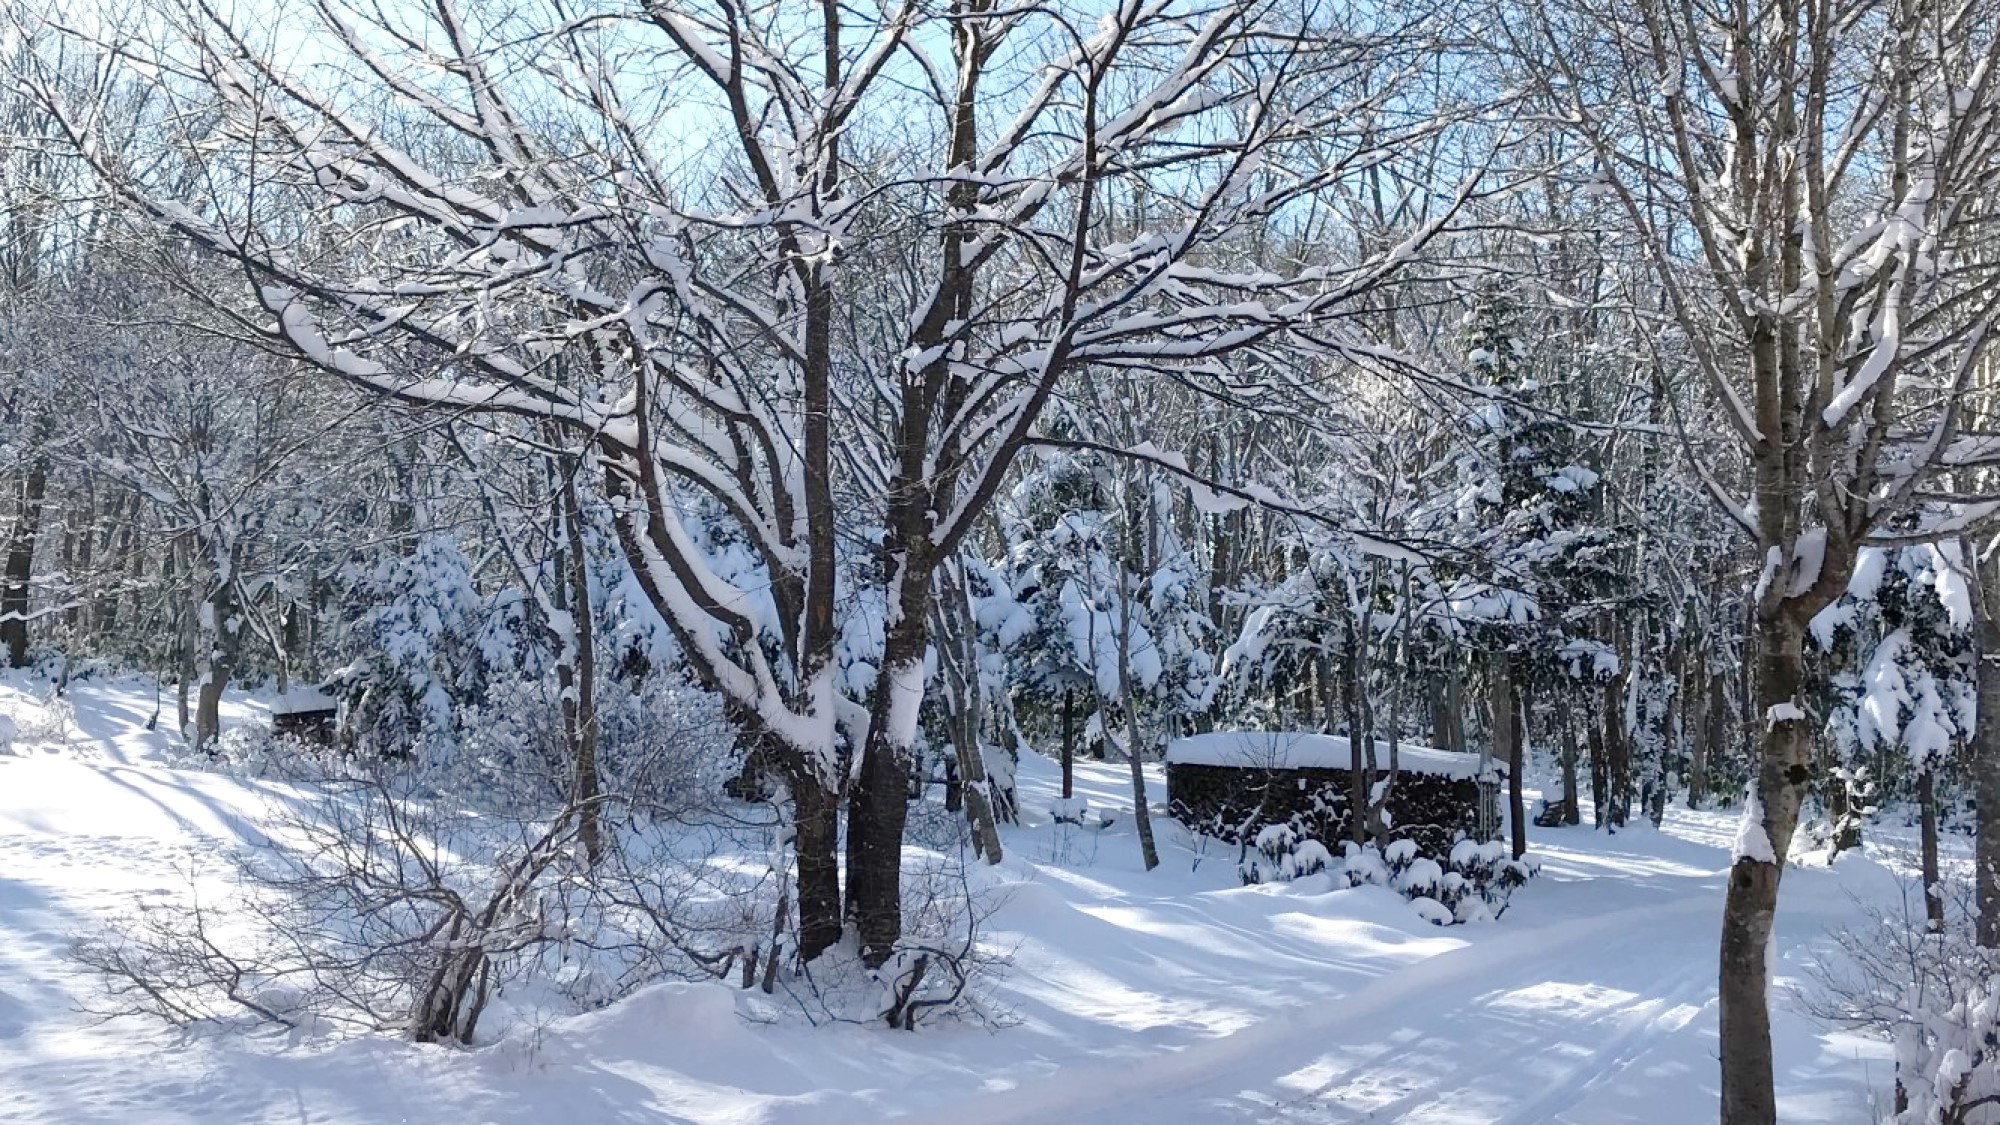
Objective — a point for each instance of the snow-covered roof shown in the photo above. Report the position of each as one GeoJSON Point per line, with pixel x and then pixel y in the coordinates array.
{"type": "Point", "coordinates": [1252, 749]}
{"type": "Point", "coordinates": [300, 699]}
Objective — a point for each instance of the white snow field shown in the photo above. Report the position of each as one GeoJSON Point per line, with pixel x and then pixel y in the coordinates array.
{"type": "Point", "coordinates": [1174, 996]}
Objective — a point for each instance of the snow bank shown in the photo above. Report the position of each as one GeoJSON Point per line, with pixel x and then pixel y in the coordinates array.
{"type": "Point", "coordinates": [1300, 750]}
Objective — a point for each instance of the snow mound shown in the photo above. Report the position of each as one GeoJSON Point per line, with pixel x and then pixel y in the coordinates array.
{"type": "Point", "coordinates": [1295, 750]}
{"type": "Point", "coordinates": [1432, 911]}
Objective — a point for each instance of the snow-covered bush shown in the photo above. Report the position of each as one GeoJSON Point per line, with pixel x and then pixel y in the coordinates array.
{"type": "Point", "coordinates": [1432, 911]}
{"type": "Point", "coordinates": [1480, 879]}
{"type": "Point", "coordinates": [365, 908]}
{"type": "Point", "coordinates": [49, 723]}
{"type": "Point", "coordinates": [1929, 991]}
{"type": "Point", "coordinates": [368, 905]}
{"type": "Point", "coordinates": [1234, 803]}
{"type": "Point", "coordinates": [1948, 1062]}
{"type": "Point", "coordinates": [1473, 884]}
{"type": "Point", "coordinates": [661, 739]}
{"type": "Point", "coordinates": [245, 747]}
{"type": "Point", "coordinates": [1283, 853]}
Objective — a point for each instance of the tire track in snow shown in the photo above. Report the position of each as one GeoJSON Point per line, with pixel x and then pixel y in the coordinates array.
{"type": "Point", "coordinates": [1489, 1053]}
{"type": "Point", "coordinates": [1255, 1052]}
{"type": "Point", "coordinates": [1664, 1016]}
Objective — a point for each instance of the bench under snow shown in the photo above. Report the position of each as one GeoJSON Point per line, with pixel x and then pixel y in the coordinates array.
{"type": "Point", "coordinates": [1295, 750]}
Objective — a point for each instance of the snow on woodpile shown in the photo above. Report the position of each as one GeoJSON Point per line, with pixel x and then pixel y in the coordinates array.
{"type": "Point", "coordinates": [1297, 750]}
{"type": "Point", "coordinates": [1230, 785]}
{"type": "Point", "coordinates": [306, 713]}
{"type": "Point", "coordinates": [303, 700]}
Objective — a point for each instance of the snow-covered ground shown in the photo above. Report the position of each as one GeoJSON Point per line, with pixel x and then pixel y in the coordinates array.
{"type": "Point", "coordinates": [1170, 996]}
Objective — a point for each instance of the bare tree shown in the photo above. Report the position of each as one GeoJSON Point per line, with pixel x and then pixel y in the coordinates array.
{"type": "Point", "coordinates": [1805, 180]}
{"type": "Point", "coordinates": [528, 208]}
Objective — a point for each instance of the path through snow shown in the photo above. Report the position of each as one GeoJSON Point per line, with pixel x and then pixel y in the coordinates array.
{"type": "Point", "coordinates": [1593, 1002]}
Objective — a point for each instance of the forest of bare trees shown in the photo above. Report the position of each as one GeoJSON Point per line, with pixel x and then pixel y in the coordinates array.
{"type": "Point", "coordinates": [905, 387]}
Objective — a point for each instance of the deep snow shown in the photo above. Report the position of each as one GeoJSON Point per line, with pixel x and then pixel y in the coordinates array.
{"type": "Point", "coordinates": [1170, 996]}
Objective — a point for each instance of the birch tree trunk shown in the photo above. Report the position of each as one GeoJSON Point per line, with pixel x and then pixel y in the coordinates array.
{"type": "Point", "coordinates": [1751, 903]}
{"type": "Point", "coordinates": [577, 675]}
{"type": "Point", "coordinates": [958, 651]}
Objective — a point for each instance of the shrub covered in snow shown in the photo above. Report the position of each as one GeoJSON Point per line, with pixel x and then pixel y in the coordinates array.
{"type": "Point", "coordinates": [1932, 993]}
{"type": "Point", "coordinates": [1283, 853]}
{"type": "Point", "coordinates": [1948, 1062]}
{"type": "Point", "coordinates": [1471, 883]}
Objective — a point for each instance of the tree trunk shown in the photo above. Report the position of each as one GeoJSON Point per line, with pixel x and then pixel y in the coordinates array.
{"type": "Point", "coordinates": [1455, 699]}
{"type": "Point", "coordinates": [20, 566]}
{"type": "Point", "coordinates": [1442, 714]}
{"type": "Point", "coordinates": [958, 651]}
{"type": "Point", "coordinates": [1360, 754]}
{"type": "Point", "coordinates": [184, 654]}
{"type": "Point", "coordinates": [1506, 704]}
{"type": "Point", "coordinates": [1617, 755]}
{"type": "Point", "coordinates": [79, 617]}
{"type": "Point", "coordinates": [1713, 741]}
{"type": "Point", "coordinates": [1399, 660]}
{"type": "Point", "coordinates": [135, 563]}
{"type": "Point", "coordinates": [1134, 745]}
{"type": "Point", "coordinates": [1986, 793]}
{"type": "Point", "coordinates": [1142, 817]}
{"type": "Point", "coordinates": [1750, 907]}
{"type": "Point", "coordinates": [876, 814]}
{"type": "Point", "coordinates": [217, 641]}
{"type": "Point", "coordinates": [878, 807]}
{"type": "Point", "coordinates": [1572, 800]}
{"type": "Point", "coordinates": [1933, 882]}
{"type": "Point", "coordinates": [1069, 744]}
{"type": "Point", "coordinates": [578, 676]}
{"type": "Point", "coordinates": [1986, 749]}
{"type": "Point", "coordinates": [1600, 773]}
{"type": "Point", "coordinates": [208, 697]}
{"type": "Point", "coordinates": [979, 811]}
{"type": "Point", "coordinates": [816, 825]}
